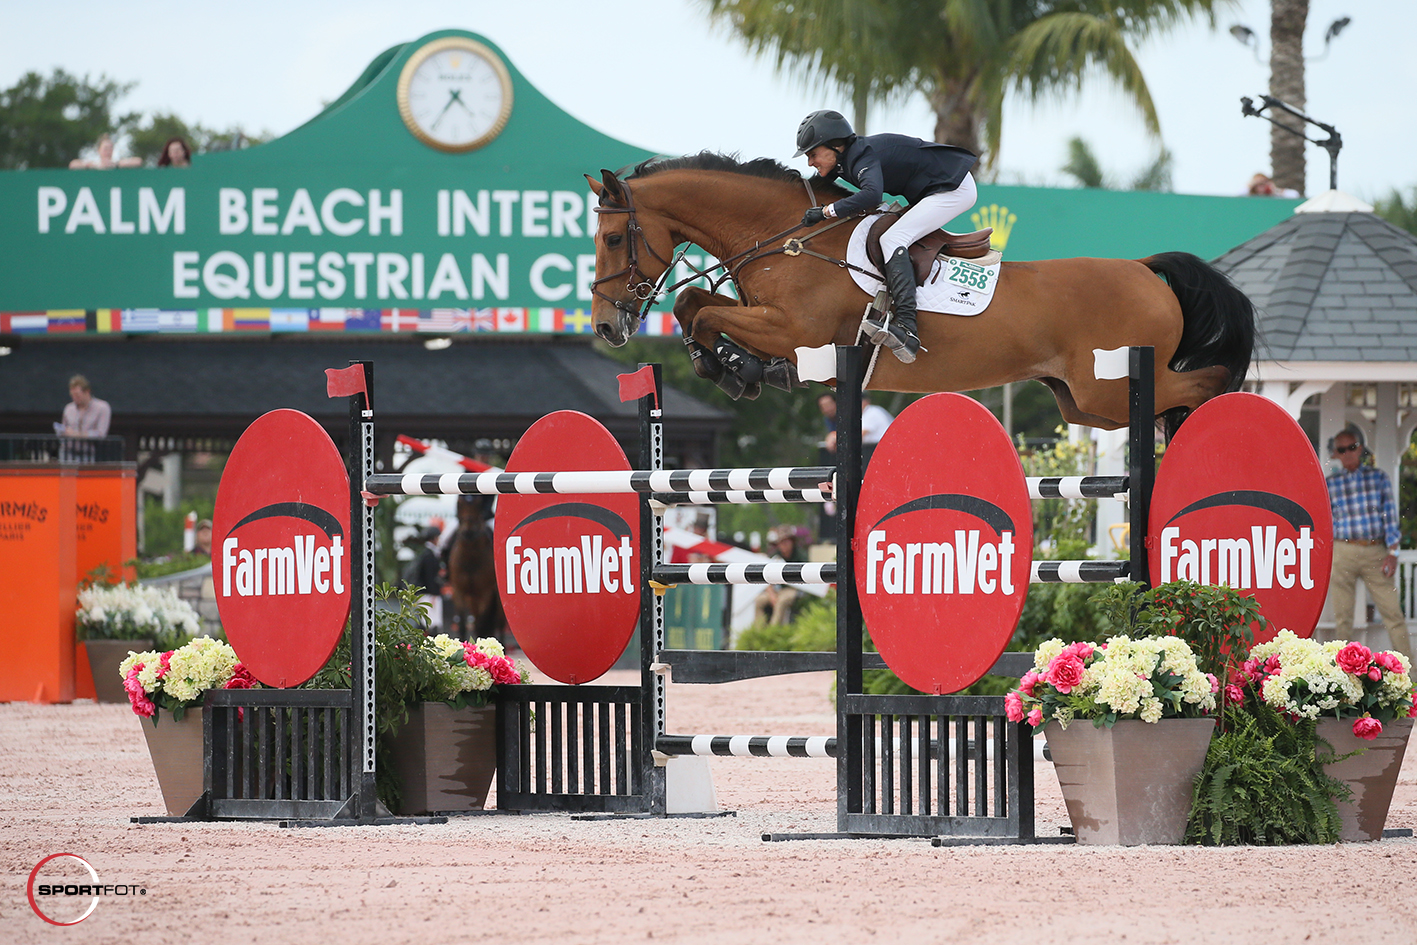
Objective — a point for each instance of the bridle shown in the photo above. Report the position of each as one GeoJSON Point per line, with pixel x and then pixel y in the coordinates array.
{"type": "Point", "coordinates": [647, 292]}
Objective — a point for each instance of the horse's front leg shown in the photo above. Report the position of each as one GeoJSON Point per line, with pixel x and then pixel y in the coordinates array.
{"type": "Point", "coordinates": [769, 337]}
{"type": "Point", "coordinates": [701, 350]}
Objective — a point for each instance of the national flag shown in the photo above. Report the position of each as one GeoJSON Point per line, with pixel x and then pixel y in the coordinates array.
{"type": "Point", "coordinates": [637, 385]}
{"type": "Point", "coordinates": [362, 319]}
{"type": "Point", "coordinates": [27, 323]}
{"type": "Point", "coordinates": [328, 319]}
{"type": "Point", "coordinates": [345, 382]}
{"type": "Point", "coordinates": [545, 320]}
{"type": "Point", "coordinates": [577, 321]}
{"type": "Point", "coordinates": [290, 319]}
{"type": "Point", "coordinates": [141, 319]}
{"type": "Point", "coordinates": [398, 319]}
{"type": "Point", "coordinates": [66, 320]}
{"type": "Point", "coordinates": [661, 324]}
{"type": "Point", "coordinates": [511, 319]}
{"type": "Point", "coordinates": [251, 319]}
{"type": "Point", "coordinates": [211, 320]}
{"type": "Point", "coordinates": [484, 319]}
{"type": "Point", "coordinates": [106, 320]}
{"type": "Point", "coordinates": [177, 320]}
{"type": "Point", "coordinates": [444, 320]}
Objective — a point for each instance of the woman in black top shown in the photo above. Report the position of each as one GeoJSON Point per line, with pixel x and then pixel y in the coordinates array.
{"type": "Point", "coordinates": [933, 178]}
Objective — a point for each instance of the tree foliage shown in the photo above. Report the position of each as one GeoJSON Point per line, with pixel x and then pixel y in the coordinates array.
{"type": "Point", "coordinates": [148, 139]}
{"type": "Point", "coordinates": [1084, 167]}
{"type": "Point", "coordinates": [1397, 210]}
{"type": "Point", "coordinates": [47, 122]}
{"type": "Point", "coordinates": [963, 55]}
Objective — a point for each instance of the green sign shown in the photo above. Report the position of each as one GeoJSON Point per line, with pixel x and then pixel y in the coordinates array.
{"type": "Point", "coordinates": [441, 193]}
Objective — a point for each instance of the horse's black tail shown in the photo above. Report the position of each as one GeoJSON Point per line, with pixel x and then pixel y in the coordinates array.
{"type": "Point", "coordinates": [1218, 321]}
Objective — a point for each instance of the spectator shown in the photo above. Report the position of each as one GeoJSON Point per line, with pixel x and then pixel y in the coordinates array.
{"type": "Point", "coordinates": [826, 403]}
{"type": "Point", "coordinates": [85, 415]}
{"type": "Point", "coordinates": [775, 602]}
{"type": "Point", "coordinates": [424, 573]}
{"type": "Point", "coordinates": [1365, 541]}
{"type": "Point", "coordinates": [1262, 186]}
{"type": "Point", "coordinates": [175, 154]}
{"type": "Point", "coordinates": [874, 421]}
{"type": "Point", "coordinates": [203, 538]}
{"type": "Point", "coordinates": [105, 160]}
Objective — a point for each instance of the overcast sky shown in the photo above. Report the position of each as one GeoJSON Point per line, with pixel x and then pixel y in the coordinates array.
{"type": "Point", "coordinates": [656, 74]}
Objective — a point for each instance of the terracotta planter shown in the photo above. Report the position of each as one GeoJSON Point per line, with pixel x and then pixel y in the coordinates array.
{"type": "Point", "coordinates": [1372, 773]}
{"type": "Point", "coordinates": [1130, 784]}
{"type": "Point", "coordinates": [445, 758]}
{"type": "Point", "coordinates": [105, 656]}
{"type": "Point", "coordinates": [176, 750]}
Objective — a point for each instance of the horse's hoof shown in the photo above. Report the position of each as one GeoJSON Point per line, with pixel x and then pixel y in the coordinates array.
{"type": "Point", "coordinates": [782, 374]}
{"type": "Point", "coordinates": [751, 391]}
{"type": "Point", "coordinates": [731, 384]}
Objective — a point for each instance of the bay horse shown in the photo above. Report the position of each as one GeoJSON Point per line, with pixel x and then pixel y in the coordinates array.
{"type": "Point", "coordinates": [472, 572]}
{"type": "Point", "coordinates": [1045, 320]}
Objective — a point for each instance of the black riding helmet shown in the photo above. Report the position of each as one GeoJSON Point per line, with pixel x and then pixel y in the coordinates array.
{"type": "Point", "coordinates": [821, 127]}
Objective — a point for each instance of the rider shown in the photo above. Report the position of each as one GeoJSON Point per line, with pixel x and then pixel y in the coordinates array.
{"type": "Point", "coordinates": [933, 178]}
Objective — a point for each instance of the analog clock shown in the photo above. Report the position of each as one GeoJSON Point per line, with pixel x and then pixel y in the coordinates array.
{"type": "Point", "coordinates": [455, 94]}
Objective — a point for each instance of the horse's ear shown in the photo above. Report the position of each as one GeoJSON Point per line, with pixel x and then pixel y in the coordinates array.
{"type": "Point", "coordinates": [611, 184]}
{"type": "Point", "coordinates": [596, 187]}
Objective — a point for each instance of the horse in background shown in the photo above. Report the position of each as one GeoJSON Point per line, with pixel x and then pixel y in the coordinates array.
{"type": "Point", "coordinates": [472, 572]}
{"type": "Point", "coordinates": [1046, 318]}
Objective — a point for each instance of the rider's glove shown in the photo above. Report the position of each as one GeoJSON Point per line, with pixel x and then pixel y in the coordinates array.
{"type": "Point", "coordinates": [813, 216]}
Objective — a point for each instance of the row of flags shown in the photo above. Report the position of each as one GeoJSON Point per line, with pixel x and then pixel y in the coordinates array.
{"type": "Point", "coordinates": [575, 321]}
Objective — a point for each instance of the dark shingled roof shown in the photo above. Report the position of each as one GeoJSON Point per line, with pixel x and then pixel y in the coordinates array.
{"type": "Point", "coordinates": [191, 388]}
{"type": "Point", "coordinates": [1331, 287]}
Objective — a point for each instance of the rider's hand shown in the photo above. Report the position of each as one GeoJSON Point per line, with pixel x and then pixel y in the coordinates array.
{"type": "Point", "coordinates": [813, 216]}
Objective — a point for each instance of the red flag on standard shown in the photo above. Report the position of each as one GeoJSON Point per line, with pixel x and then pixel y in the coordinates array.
{"type": "Point", "coordinates": [637, 385]}
{"type": "Point", "coordinates": [344, 382]}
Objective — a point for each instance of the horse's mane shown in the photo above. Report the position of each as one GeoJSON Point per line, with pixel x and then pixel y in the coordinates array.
{"type": "Point", "coordinates": [762, 167]}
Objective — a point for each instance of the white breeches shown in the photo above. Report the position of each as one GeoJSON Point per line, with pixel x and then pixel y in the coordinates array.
{"type": "Point", "coordinates": [930, 213]}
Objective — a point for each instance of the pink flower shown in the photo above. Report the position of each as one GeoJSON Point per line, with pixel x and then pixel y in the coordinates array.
{"type": "Point", "coordinates": [1234, 695]}
{"type": "Point", "coordinates": [1390, 661]}
{"type": "Point", "coordinates": [504, 671]}
{"type": "Point", "coordinates": [1412, 712]}
{"type": "Point", "coordinates": [1271, 666]}
{"type": "Point", "coordinates": [1367, 727]}
{"type": "Point", "coordinates": [241, 678]}
{"type": "Point", "coordinates": [1375, 674]}
{"type": "Point", "coordinates": [166, 665]}
{"type": "Point", "coordinates": [1064, 672]}
{"type": "Point", "coordinates": [1081, 650]}
{"type": "Point", "coordinates": [1250, 670]}
{"type": "Point", "coordinates": [142, 705]}
{"type": "Point", "coordinates": [1354, 659]}
{"type": "Point", "coordinates": [1214, 683]}
{"type": "Point", "coordinates": [1013, 707]}
{"type": "Point", "coordinates": [1029, 680]}
{"type": "Point", "coordinates": [1035, 718]}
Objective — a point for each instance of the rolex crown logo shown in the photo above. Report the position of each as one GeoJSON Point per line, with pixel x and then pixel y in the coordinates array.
{"type": "Point", "coordinates": [1000, 219]}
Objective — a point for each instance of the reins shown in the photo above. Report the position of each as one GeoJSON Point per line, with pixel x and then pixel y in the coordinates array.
{"type": "Point", "coordinates": [647, 292]}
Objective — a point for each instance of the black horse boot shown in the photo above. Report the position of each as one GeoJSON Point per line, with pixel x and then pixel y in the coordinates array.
{"type": "Point", "coordinates": [900, 337]}
{"type": "Point", "coordinates": [736, 360]}
{"type": "Point", "coordinates": [706, 365]}
{"type": "Point", "coordinates": [782, 374]}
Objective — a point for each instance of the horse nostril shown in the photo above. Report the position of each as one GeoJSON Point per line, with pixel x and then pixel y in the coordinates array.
{"type": "Point", "coordinates": [603, 331]}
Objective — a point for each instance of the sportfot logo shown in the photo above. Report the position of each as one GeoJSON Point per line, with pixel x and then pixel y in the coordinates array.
{"type": "Point", "coordinates": [943, 544]}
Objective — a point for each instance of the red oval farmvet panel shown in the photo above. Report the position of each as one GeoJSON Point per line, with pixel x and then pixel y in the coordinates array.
{"type": "Point", "coordinates": [1240, 499]}
{"type": "Point", "coordinates": [568, 566]}
{"type": "Point", "coordinates": [280, 548]}
{"type": "Point", "coordinates": [944, 543]}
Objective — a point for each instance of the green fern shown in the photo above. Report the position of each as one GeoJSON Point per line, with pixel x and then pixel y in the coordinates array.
{"type": "Point", "coordinates": [1262, 784]}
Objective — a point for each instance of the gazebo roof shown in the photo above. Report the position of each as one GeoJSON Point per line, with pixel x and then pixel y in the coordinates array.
{"type": "Point", "coordinates": [1331, 284]}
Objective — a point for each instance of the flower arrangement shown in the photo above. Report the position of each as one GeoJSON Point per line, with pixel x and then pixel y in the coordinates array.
{"type": "Point", "coordinates": [176, 680]}
{"type": "Point", "coordinates": [474, 667]}
{"type": "Point", "coordinates": [135, 611]}
{"type": "Point", "coordinates": [1147, 679]}
{"type": "Point", "coordinates": [1305, 680]}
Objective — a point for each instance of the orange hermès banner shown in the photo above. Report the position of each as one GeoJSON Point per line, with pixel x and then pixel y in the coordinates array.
{"type": "Point", "coordinates": [37, 586]}
{"type": "Point", "coordinates": [105, 532]}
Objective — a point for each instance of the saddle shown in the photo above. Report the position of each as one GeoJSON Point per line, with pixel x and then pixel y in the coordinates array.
{"type": "Point", "coordinates": [924, 250]}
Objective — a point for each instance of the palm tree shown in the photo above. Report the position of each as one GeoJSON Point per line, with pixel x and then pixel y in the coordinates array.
{"type": "Point", "coordinates": [1286, 83]}
{"type": "Point", "coordinates": [963, 55]}
{"type": "Point", "coordinates": [1084, 167]}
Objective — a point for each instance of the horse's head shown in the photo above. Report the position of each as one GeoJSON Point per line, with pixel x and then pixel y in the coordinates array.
{"type": "Point", "coordinates": [628, 268]}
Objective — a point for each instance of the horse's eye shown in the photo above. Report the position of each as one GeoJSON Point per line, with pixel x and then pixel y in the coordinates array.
{"type": "Point", "coordinates": [613, 240]}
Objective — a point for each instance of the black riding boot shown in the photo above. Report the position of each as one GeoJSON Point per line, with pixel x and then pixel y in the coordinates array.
{"type": "Point", "coordinates": [900, 337]}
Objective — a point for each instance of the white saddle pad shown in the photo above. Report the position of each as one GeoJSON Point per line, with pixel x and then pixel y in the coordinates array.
{"type": "Point", "coordinates": [954, 287]}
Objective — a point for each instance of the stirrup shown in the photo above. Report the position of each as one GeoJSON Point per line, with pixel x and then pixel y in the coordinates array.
{"type": "Point", "coordinates": [875, 323]}
{"type": "Point", "coordinates": [901, 347]}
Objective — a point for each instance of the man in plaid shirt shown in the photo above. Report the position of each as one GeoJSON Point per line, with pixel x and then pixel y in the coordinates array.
{"type": "Point", "coordinates": [1365, 542]}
